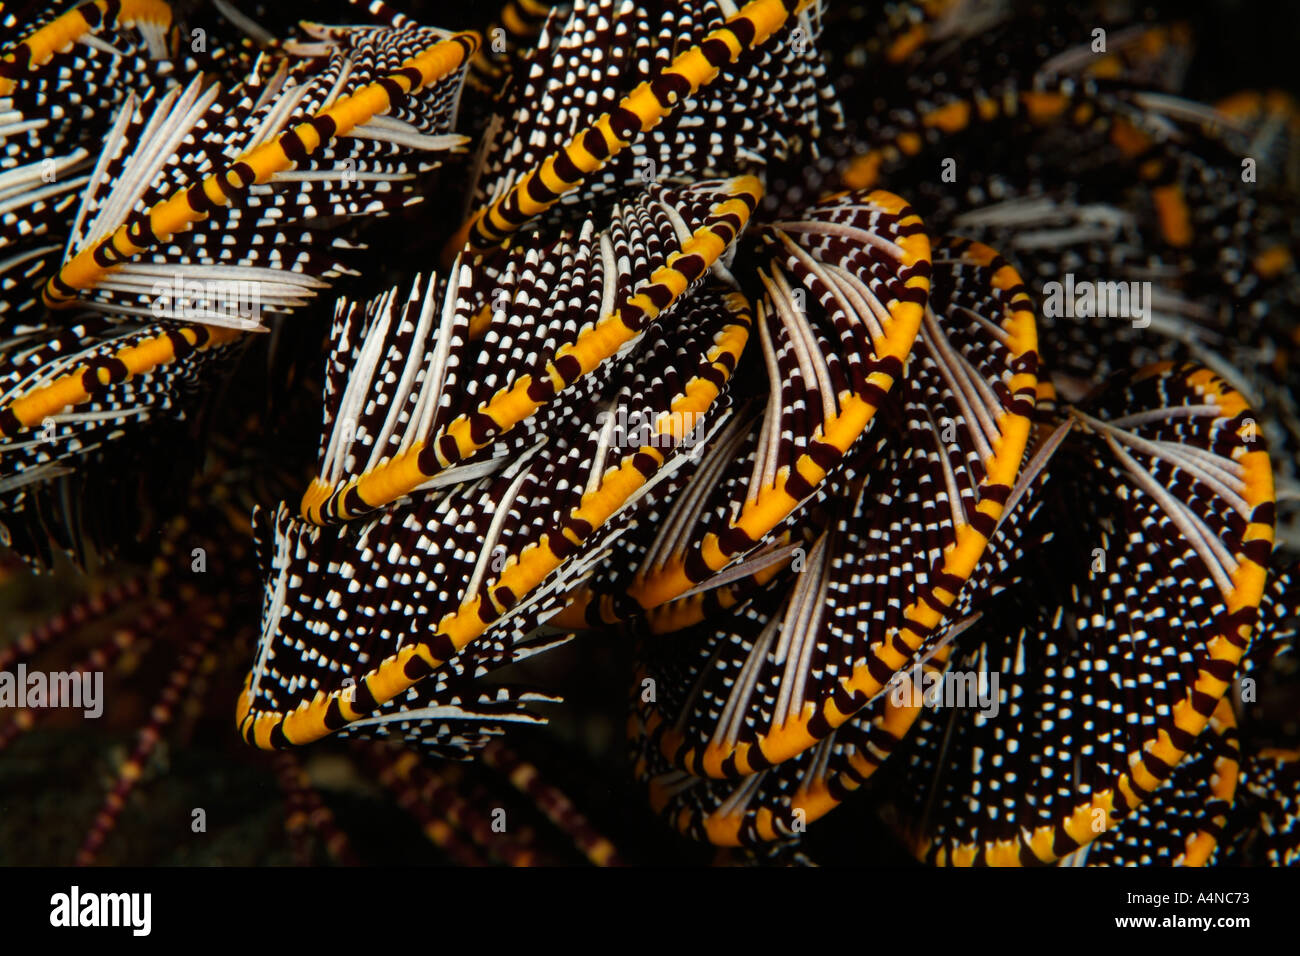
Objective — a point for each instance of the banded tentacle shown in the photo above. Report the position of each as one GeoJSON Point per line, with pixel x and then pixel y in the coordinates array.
{"type": "Point", "coordinates": [1131, 643]}
{"type": "Point", "coordinates": [899, 551]}
{"type": "Point", "coordinates": [503, 545]}
{"type": "Point", "coordinates": [618, 306]}
{"type": "Point", "coordinates": [1184, 822]}
{"type": "Point", "coordinates": [864, 260]}
{"type": "Point", "coordinates": [513, 202]}
{"type": "Point", "coordinates": [195, 203]}
{"type": "Point", "coordinates": [151, 17]}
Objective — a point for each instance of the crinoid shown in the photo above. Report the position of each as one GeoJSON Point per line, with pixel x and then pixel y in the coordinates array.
{"type": "Point", "coordinates": [770, 414]}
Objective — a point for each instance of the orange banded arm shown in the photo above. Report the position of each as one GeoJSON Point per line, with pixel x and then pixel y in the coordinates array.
{"type": "Point", "coordinates": [194, 204]}
{"type": "Point", "coordinates": [640, 111]}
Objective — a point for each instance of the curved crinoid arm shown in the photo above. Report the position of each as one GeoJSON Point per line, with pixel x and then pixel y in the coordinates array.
{"type": "Point", "coordinates": [1104, 100]}
{"type": "Point", "coordinates": [270, 254]}
{"type": "Point", "coordinates": [1146, 590]}
{"type": "Point", "coordinates": [776, 802]}
{"type": "Point", "coordinates": [1265, 828]}
{"type": "Point", "coordinates": [558, 312]}
{"type": "Point", "coordinates": [444, 577]}
{"type": "Point", "coordinates": [507, 42]}
{"type": "Point", "coordinates": [62, 81]}
{"type": "Point", "coordinates": [1184, 822]}
{"type": "Point", "coordinates": [786, 545]}
{"type": "Point", "coordinates": [71, 414]}
{"type": "Point", "coordinates": [365, 98]}
{"type": "Point", "coordinates": [47, 378]}
{"type": "Point", "coordinates": [779, 802]}
{"type": "Point", "coordinates": [30, 54]}
{"type": "Point", "coordinates": [263, 254]}
{"type": "Point", "coordinates": [1118, 293]}
{"type": "Point", "coordinates": [843, 301]}
{"type": "Point", "coordinates": [887, 573]}
{"type": "Point", "coordinates": [902, 152]}
{"type": "Point", "coordinates": [602, 601]}
{"type": "Point", "coordinates": [605, 603]}
{"type": "Point", "coordinates": [1054, 234]}
{"type": "Point", "coordinates": [744, 87]}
